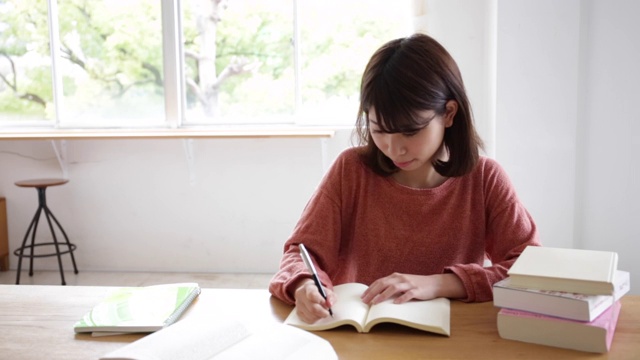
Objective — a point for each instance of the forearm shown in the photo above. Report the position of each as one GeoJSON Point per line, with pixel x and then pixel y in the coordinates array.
{"type": "Point", "coordinates": [450, 286]}
{"type": "Point", "coordinates": [292, 274]}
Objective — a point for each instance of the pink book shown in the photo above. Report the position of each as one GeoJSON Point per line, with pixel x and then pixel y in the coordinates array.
{"type": "Point", "coordinates": [594, 336]}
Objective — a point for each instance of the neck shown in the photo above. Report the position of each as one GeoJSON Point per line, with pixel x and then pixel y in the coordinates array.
{"type": "Point", "coordinates": [425, 177]}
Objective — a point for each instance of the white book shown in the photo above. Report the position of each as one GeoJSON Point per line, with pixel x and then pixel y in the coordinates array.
{"type": "Point", "coordinates": [208, 339]}
{"type": "Point", "coordinates": [572, 270]}
{"type": "Point", "coordinates": [559, 303]}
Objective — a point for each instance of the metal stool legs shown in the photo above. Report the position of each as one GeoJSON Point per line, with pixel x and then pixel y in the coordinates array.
{"type": "Point", "coordinates": [42, 206]}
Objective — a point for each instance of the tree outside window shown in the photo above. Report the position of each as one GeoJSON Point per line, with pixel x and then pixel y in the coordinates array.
{"type": "Point", "coordinates": [244, 61]}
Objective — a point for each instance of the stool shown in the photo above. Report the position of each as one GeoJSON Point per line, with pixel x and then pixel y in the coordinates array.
{"type": "Point", "coordinates": [4, 236]}
{"type": "Point", "coordinates": [41, 185]}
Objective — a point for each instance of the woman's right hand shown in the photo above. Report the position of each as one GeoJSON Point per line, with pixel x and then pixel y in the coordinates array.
{"type": "Point", "coordinates": [310, 305]}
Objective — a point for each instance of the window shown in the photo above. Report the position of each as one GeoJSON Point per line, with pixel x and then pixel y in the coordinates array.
{"type": "Point", "coordinates": [150, 63]}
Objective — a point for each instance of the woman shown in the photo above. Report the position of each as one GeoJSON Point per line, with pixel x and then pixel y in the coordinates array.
{"type": "Point", "coordinates": [413, 211]}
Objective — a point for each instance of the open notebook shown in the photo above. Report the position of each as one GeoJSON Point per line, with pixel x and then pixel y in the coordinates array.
{"type": "Point", "coordinates": [427, 315]}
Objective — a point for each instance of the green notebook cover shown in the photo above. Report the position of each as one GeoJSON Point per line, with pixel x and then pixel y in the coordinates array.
{"type": "Point", "coordinates": [139, 309]}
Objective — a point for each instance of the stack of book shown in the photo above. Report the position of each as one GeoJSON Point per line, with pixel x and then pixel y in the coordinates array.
{"type": "Point", "coordinates": [567, 298]}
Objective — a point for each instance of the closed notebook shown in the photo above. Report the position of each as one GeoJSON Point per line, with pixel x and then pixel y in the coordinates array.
{"type": "Point", "coordinates": [138, 309]}
{"type": "Point", "coordinates": [573, 270]}
{"type": "Point", "coordinates": [563, 304]}
{"type": "Point", "coordinates": [595, 336]}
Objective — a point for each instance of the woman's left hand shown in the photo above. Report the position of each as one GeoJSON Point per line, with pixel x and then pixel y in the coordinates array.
{"type": "Point", "coordinates": [405, 287]}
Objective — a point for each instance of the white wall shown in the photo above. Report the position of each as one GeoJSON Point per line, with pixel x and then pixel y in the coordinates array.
{"type": "Point", "coordinates": [567, 75]}
{"type": "Point", "coordinates": [537, 104]}
{"type": "Point", "coordinates": [609, 167]}
{"type": "Point", "coordinates": [553, 84]}
{"type": "Point", "coordinates": [134, 204]}
{"type": "Point", "coordinates": [468, 30]}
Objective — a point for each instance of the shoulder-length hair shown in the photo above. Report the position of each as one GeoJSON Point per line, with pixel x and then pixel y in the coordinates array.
{"type": "Point", "coordinates": [403, 77]}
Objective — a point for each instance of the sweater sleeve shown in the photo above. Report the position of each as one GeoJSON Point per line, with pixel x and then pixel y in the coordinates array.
{"type": "Point", "coordinates": [319, 229]}
{"type": "Point", "coordinates": [509, 230]}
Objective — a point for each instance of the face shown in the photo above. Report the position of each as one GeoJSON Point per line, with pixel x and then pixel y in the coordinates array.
{"type": "Point", "coordinates": [415, 150]}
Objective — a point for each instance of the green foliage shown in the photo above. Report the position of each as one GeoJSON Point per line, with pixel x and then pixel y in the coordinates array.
{"type": "Point", "coordinates": [112, 57]}
{"type": "Point", "coordinates": [22, 42]}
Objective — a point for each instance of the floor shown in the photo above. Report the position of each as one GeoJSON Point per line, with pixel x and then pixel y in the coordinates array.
{"type": "Point", "coordinates": [97, 278]}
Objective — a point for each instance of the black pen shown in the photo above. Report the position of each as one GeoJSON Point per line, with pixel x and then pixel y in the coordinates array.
{"type": "Point", "coordinates": [307, 261]}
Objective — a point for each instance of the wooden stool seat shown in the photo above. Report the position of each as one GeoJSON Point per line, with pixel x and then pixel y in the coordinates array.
{"type": "Point", "coordinates": [67, 247]}
{"type": "Point", "coordinates": [36, 183]}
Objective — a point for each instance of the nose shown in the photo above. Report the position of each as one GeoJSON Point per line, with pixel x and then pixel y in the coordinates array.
{"type": "Point", "coordinates": [396, 145]}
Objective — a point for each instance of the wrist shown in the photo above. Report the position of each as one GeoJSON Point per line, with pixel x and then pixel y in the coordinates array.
{"type": "Point", "coordinates": [451, 287]}
{"type": "Point", "coordinates": [298, 284]}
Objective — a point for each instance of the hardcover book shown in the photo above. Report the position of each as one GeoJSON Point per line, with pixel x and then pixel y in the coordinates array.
{"type": "Point", "coordinates": [563, 304]}
{"type": "Point", "coordinates": [572, 270]}
{"type": "Point", "coordinates": [430, 315]}
{"type": "Point", "coordinates": [594, 336]}
{"type": "Point", "coordinates": [138, 309]}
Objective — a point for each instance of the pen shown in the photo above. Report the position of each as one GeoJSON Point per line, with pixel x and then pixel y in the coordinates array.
{"type": "Point", "coordinates": [307, 261]}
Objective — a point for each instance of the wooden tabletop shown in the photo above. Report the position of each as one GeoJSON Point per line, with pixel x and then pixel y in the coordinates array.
{"type": "Point", "coordinates": [36, 322]}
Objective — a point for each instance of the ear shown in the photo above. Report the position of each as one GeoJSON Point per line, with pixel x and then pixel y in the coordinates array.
{"type": "Point", "coordinates": [451, 108]}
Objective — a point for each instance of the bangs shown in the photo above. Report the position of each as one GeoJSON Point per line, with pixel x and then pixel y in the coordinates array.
{"type": "Point", "coordinates": [397, 95]}
{"type": "Point", "coordinates": [393, 113]}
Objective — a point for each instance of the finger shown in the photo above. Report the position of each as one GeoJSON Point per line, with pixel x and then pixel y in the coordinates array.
{"type": "Point", "coordinates": [390, 291]}
{"type": "Point", "coordinates": [309, 304]}
{"type": "Point", "coordinates": [380, 285]}
{"type": "Point", "coordinates": [318, 311]}
{"type": "Point", "coordinates": [406, 296]}
{"type": "Point", "coordinates": [315, 297]}
{"type": "Point", "coordinates": [312, 292]}
{"type": "Point", "coordinates": [311, 312]}
{"type": "Point", "coordinates": [317, 304]}
{"type": "Point", "coordinates": [372, 291]}
{"type": "Point", "coordinates": [331, 298]}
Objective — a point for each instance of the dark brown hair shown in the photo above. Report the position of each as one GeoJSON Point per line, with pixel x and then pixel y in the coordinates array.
{"type": "Point", "coordinates": [408, 75]}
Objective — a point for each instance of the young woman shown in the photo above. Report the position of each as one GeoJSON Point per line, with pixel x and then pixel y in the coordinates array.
{"type": "Point", "coordinates": [413, 211]}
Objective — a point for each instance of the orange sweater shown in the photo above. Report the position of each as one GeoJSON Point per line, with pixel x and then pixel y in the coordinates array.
{"type": "Point", "coordinates": [359, 227]}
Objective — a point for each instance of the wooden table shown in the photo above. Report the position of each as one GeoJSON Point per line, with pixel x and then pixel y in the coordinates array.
{"type": "Point", "coordinates": [36, 322]}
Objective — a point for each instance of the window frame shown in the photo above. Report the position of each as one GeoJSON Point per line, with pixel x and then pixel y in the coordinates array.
{"type": "Point", "coordinates": [174, 94]}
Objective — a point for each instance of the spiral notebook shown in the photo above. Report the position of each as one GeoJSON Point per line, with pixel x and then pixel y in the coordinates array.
{"type": "Point", "coordinates": [138, 309]}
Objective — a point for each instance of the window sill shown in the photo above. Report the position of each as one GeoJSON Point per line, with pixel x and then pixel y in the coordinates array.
{"type": "Point", "coordinates": [183, 133]}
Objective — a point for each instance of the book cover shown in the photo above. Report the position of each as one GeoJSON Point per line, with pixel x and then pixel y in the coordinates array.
{"type": "Point", "coordinates": [138, 309]}
{"type": "Point", "coordinates": [573, 270]}
{"type": "Point", "coordinates": [563, 304]}
{"type": "Point", "coordinates": [595, 336]}
{"type": "Point", "coordinates": [427, 315]}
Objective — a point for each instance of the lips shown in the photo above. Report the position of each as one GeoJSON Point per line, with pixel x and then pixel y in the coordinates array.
{"type": "Point", "coordinates": [402, 164]}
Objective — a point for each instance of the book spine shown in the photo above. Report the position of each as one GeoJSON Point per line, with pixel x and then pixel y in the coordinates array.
{"type": "Point", "coordinates": [181, 309]}
{"type": "Point", "coordinates": [612, 322]}
{"type": "Point", "coordinates": [595, 336]}
{"type": "Point", "coordinates": [554, 304]}
{"type": "Point", "coordinates": [605, 319]}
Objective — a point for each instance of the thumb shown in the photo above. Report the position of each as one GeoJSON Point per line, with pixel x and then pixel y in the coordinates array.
{"type": "Point", "coordinates": [331, 298]}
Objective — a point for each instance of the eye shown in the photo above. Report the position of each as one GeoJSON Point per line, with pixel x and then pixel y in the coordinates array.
{"type": "Point", "coordinates": [374, 129]}
{"type": "Point", "coordinates": [410, 133]}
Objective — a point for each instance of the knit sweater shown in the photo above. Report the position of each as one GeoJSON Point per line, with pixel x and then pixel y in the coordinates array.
{"type": "Point", "coordinates": [359, 226]}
